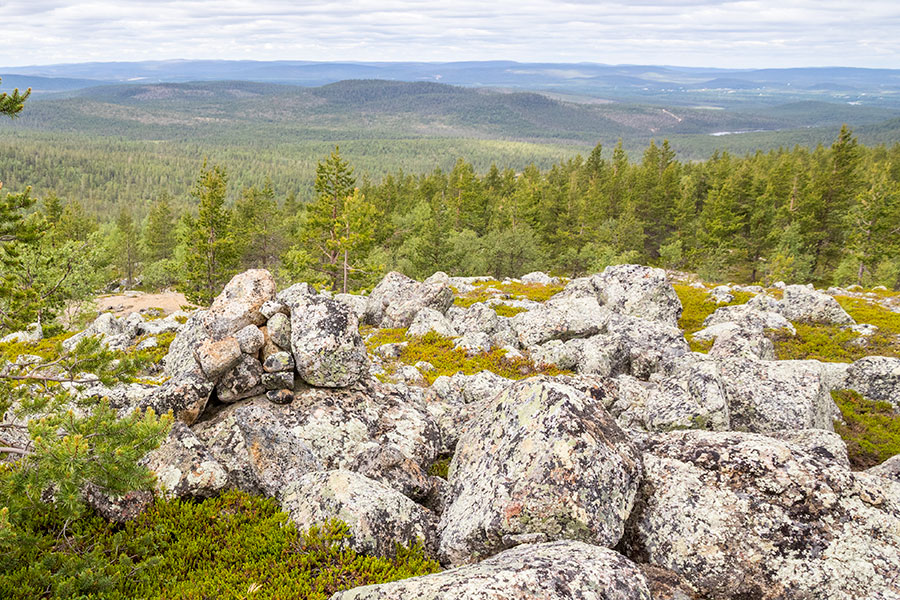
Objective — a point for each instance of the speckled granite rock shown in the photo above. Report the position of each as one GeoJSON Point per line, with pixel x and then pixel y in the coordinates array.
{"type": "Point", "coordinates": [328, 350]}
{"type": "Point", "coordinates": [184, 467]}
{"type": "Point", "coordinates": [561, 570]}
{"type": "Point", "coordinates": [742, 515]}
{"type": "Point", "coordinates": [542, 461]}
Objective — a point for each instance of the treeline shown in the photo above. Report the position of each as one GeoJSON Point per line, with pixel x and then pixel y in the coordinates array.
{"type": "Point", "coordinates": [828, 215]}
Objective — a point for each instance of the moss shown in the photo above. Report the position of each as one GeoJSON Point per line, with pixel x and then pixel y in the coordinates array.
{"type": "Point", "coordinates": [447, 360]}
{"type": "Point", "coordinates": [156, 354]}
{"type": "Point", "coordinates": [831, 343]}
{"type": "Point", "coordinates": [234, 546]}
{"type": "Point", "coordinates": [513, 289]}
{"type": "Point", "coordinates": [504, 310]}
{"type": "Point", "coordinates": [696, 307]}
{"type": "Point", "coordinates": [47, 348]}
{"type": "Point", "coordinates": [440, 467]}
{"type": "Point", "coordinates": [864, 311]}
{"type": "Point", "coordinates": [871, 429]}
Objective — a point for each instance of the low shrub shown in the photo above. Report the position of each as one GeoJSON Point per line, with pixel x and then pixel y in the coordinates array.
{"type": "Point", "coordinates": [831, 343]}
{"type": "Point", "coordinates": [864, 311]}
{"type": "Point", "coordinates": [696, 307]}
{"type": "Point", "coordinates": [230, 547]}
{"type": "Point", "coordinates": [871, 429]}
{"type": "Point", "coordinates": [514, 289]}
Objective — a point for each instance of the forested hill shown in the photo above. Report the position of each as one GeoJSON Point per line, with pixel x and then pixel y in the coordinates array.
{"type": "Point", "coordinates": [109, 146]}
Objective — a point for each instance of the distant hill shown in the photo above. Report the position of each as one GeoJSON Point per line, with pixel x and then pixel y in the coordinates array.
{"type": "Point", "coordinates": [647, 83]}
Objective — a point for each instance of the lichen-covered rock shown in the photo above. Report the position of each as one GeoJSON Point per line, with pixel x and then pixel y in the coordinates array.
{"type": "Point", "coordinates": [280, 396]}
{"type": "Point", "coordinates": [184, 467]}
{"type": "Point", "coordinates": [296, 295]}
{"type": "Point", "coordinates": [466, 389]}
{"type": "Point", "coordinates": [690, 394]}
{"type": "Point", "coordinates": [108, 328]}
{"type": "Point", "coordinates": [562, 319]}
{"type": "Point", "coordinates": [186, 397]}
{"type": "Point", "coordinates": [250, 339]}
{"type": "Point", "coordinates": [746, 316]}
{"type": "Point", "coordinates": [118, 509]}
{"type": "Point", "coordinates": [276, 455]}
{"type": "Point", "coordinates": [541, 461]}
{"type": "Point", "coordinates": [540, 278]}
{"type": "Point", "coordinates": [876, 378]}
{"type": "Point", "coordinates": [278, 362]}
{"type": "Point", "coordinates": [805, 303]}
{"type": "Point", "coordinates": [741, 515]}
{"type": "Point", "coordinates": [281, 380]}
{"type": "Point", "coordinates": [180, 360]}
{"type": "Point", "coordinates": [279, 329]}
{"type": "Point", "coordinates": [473, 343]}
{"type": "Point", "coordinates": [388, 465]}
{"type": "Point", "coordinates": [392, 288]}
{"type": "Point", "coordinates": [767, 396]}
{"type": "Point", "coordinates": [378, 516]}
{"type": "Point", "coordinates": [434, 293]}
{"type": "Point", "coordinates": [827, 446]}
{"type": "Point", "coordinates": [561, 570]}
{"type": "Point", "coordinates": [640, 292]}
{"type": "Point", "coordinates": [481, 319]}
{"type": "Point", "coordinates": [217, 357]}
{"type": "Point", "coordinates": [428, 320]}
{"type": "Point", "coordinates": [889, 469]}
{"type": "Point", "coordinates": [738, 342]}
{"type": "Point", "coordinates": [328, 350]}
{"type": "Point", "coordinates": [240, 303]}
{"type": "Point", "coordinates": [243, 381]}
{"type": "Point", "coordinates": [356, 303]}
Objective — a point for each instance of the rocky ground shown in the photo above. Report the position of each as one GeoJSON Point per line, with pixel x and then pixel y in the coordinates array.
{"type": "Point", "coordinates": [542, 438]}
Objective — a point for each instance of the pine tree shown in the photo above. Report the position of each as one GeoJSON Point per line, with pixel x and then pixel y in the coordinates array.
{"type": "Point", "coordinates": [12, 104]}
{"type": "Point", "coordinates": [127, 246]}
{"type": "Point", "coordinates": [211, 256]}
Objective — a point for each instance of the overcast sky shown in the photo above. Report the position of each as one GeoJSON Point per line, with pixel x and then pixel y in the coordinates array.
{"type": "Point", "coordinates": [720, 33]}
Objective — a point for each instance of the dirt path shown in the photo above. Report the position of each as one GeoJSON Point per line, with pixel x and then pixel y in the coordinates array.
{"type": "Point", "coordinates": [129, 302]}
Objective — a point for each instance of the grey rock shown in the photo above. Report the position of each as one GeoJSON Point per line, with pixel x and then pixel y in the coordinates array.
{"type": "Point", "coordinates": [474, 343]}
{"type": "Point", "coordinates": [541, 458]}
{"type": "Point", "coordinates": [741, 515]}
{"type": "Point", "coordinates": [434, 293]}
{"type": "Point", "coordinates": [877, 378]}
{"type": "Point", "coordinates": [390, 466]}
{"type": "Point", "coordinates": [276, 455]}
{"type": "Point", "coordinates": [482, 321]}
{"type": "Point", "coordinates": [184, 467]}
{"type": "Point", "coordinates": [106, 327]}
{"type": "Point", "coordinates": [560, 320]}
{"type": "Point", "coordinates": [460, 388]}
{"type": "Point", "coordinates": [827, 446]}
{"type": "Point", "coordinates": [32, 333]}
{"type": "Point", "coordinates": [279, 328]}
{"type": "Point", "coordinates": [392, 350]}
{"type": "Point", "coordinates": [179, 360]}
{"type": "Point", "coordinates": [804, 303]}
{"type": "Point", "coordinates": [561, 570]}
{"type": "Point", "coordinates": [747, 316]}
{"type": "Point", "coordinates": [378, 516]}
{"type": "Point", "coordinates": [539, 278]}
{"type": "Point", "coordinates": [272, 307]}
{"type": "Point", "coordinates": [356, 303]}
{"type": "Point", "coordinates": [639, 291]}
{"type": "Point", "coordinates": [118, 509]}
{"type": "Point", "coordinates": [250, 339]}
{"type": "Point", "coordinates": [889, 469]}
{"type": "Point", "coordinates": [738, 342]}
{"type": "Point", "coordinates": [243, 381]}
{"type": "Point", "coordinates": [278, 381]}
{"type": "Point", "coordinates": [296, 295]}
{"type": "Point", "coordinates": [186, 397]}
{"type": "Point", "coordinates": [428, 320]}
{"type": "Point", "coordinates": [328, 350]}
{"type": "Point", "coordinates": [394, 287]}
{"type": "Point", "coordinates": [278, 362]}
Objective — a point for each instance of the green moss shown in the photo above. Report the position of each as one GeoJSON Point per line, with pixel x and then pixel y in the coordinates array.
{"type": "Point", "coordinates": [864, 311]}
{"type": "Point", "coordinates": [696, 307]}
{"type": "Point", "coordinates": [831, 343]}
{"type": "Point", "coordinates": [156, 354]}
{"type": "Point", "coordinates": [440, 467]}
{"type": "Point", "coordinates": [517, 290]}
{"type": "Point", "coordinates": [47, 348]}
{"type": "Point", "coordinates": [871, 429]}
{"type": "Point", "coordinates": [504, 310]}
{"type": "Point", "coordinates": [379, 337]}
{"type": "Point", "coordinates": [447, 360]}
{"type": "Point", "coordinates": [234, 546]}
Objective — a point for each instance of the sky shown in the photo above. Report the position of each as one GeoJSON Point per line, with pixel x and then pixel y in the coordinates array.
{"type": "Point", "coordinates": [701, 33]}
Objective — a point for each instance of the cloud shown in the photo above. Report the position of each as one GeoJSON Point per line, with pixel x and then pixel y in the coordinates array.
{"type": "Point", "coordinates": [724, 33]}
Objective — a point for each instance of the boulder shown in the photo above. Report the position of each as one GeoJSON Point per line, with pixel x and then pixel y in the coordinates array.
{"type": "Point", "coordinates": [435, 293]}
{"type": "Point", "coordinates": [740, 515]}
{"type": "Point", "coordinates": [394, 287]}
{"type": "Point", "coordinates": [281, 380]}
{"type": "Point", "coordinates": [184, 467]}
{"type": "Point", "coordinates": [240, 303]}
{"type": "Point", "coordinates": [117, 509]}
{"type": "Point", "coordinates": [805, 303]}
{"type": "Point", "coordinates": [889, 469]}
{"type": "Point", "coordinates": [243, 381]}
{"type": "Point", "coordinates": [562, 319]}
{"type": "Point", "coordinates": [561, 570]}
{"type": "Point", "coordinates": [639, 291]}
{"type": "Point", "coordinates": [276, 455]}
{"type": "Point", "coordinates": [378, 516]}
{"type": "Point", "coordinates": [827, 446]}
{"type": "Point", "coordinates": [541, 461]}
{"type": "Point", "coordinates": [390, 466]}
{"type": "Point", "coordinates": [180, 359]}
{"type": "Point", "coordinates": [539, 278]}
{"type": "Point", "coordinates": [481, 320]}
{"type": "Point", "coordinates": [278, 362]}
{"type": "Point", "coordinates": [186, 397]}
{"type": "Point", "coordinates": [876, 378]}
{"type": "Point", "coordinates": [106, 327]}
{"type": "Point", "coordinates": [217, 357]}
{"type": "Point", "coordinates": [460, 388]}
{"type": "Point", "coordinates": [357, 304]}
{"type": "Point", "coordinates": [428, 320]}
{"type": "Point", "coordinates": [768, 396]}
{"type": "Point", "coordinates": [328, 350]}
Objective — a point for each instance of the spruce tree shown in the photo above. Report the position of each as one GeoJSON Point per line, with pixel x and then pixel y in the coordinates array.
{"type": "Point", "coordinates": [159, 234]}
{"type": "Point", "coordinates": [127, 246]}
{"type": "Point", "coordinates": [211, 252]}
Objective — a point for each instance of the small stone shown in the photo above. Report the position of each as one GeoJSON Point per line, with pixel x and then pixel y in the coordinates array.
{"type": "Point", "coordinates": [250, 339]}
{"type": "Point", "coordinates": [279, 380]}
{"type": "Point", "coordinates": [217, 357]}
{"type": "Point", "coordinates": [280, 396]}
{"type": "Point", "coordinates": [278, 362]}
{"type": "Point", "coordinates": [279, 326]}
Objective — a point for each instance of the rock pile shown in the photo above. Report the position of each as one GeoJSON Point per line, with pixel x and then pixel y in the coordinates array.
{"type": "Point", "coordinates": [649, 471]}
